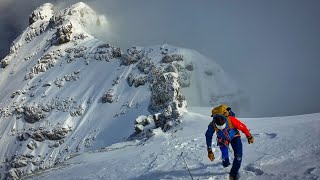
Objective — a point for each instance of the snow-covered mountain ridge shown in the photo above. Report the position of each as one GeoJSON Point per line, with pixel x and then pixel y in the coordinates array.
{"type": "Point", "coordinates": [63, 92]}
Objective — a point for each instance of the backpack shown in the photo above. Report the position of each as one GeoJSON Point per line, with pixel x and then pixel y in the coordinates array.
{"type": "Point", "coordinates": [223, 110]}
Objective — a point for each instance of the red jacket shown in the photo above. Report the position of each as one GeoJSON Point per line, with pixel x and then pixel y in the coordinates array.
{"type": "Point", "coordinates": [239, 125]}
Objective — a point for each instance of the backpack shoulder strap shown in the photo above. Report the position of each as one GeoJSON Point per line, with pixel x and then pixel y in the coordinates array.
{"type": "Point", "coordinates": [230, 123]}
{"type": "Point", "coordinates": [214, 127]}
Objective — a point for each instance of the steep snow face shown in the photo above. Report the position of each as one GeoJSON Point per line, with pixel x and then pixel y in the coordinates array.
{"type": "Point", "coordinates": [64, 92]}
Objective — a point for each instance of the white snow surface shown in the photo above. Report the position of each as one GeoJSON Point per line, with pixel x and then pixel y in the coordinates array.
{"type": "Point", "coordinates": [53, 80]}
{"type": "Point", "coordinates": [284, 148]}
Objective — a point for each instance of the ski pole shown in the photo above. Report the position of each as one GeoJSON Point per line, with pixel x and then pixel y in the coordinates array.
{"type": "Point", "coordinates": [186, 165]}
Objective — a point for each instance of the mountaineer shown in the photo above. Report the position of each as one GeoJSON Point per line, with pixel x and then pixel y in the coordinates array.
{"type": "Point", "coordinates": [227, 126]}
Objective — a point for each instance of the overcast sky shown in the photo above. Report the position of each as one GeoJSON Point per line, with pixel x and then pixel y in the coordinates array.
{"type": "Point", "coordinates": [271, 48]}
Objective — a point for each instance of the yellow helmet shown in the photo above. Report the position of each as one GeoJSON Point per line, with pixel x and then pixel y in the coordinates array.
{"type": "Point", "coordinates": [222, 109]}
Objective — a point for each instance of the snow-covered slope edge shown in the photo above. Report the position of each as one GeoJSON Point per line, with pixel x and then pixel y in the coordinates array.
{"type": "Point", "coordinates": [64, 92]}
{"type": "Point", "coordinates": [285, 148]}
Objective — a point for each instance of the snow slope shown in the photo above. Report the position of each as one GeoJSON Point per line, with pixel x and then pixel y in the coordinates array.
{"type": "Point", "coordinates": [284, 148]}
{"type": "Point", "coordinates": [63, 92]}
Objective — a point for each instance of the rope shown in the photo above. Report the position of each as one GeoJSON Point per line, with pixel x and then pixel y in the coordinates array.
{"type": "Point", "coordinates": [186, 165]}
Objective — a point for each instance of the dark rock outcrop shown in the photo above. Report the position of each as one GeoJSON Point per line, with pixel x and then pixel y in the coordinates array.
{"type": "Point", "coordinates": [33, 114]}
{"type": "Point", "coordinates": [109, 96]}
{"type": "Point", "coordinates": [63, 34]}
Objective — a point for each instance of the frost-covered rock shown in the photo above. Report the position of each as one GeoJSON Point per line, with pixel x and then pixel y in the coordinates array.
{"type": "Point", "coordinates": [19, 162]}
{"type": "Point", "coordinates": [42, 134]}
{"type": "Point", "coordinates": [140, 81]}
{"type": "Point", "coordinates": [155, 74]}
{"type": "Point", "coordinates": [137, 80]}
{"type": "Point", "coordinates": [144, 125]}
{"type": "Point", "coordinates": [71, 77]}
{"type": "Point", "coordinates": [116, 52]}
{"type": "Point", "coordinates": [78, 112]}
{"type": "Point", "coordinates": [32, 145]}
{"type": "Point", "coordinates": [106, 52]}
{"type": "Point", "coordinates": [44, 12]}
{"type": "Point", "coordinates": [47, 84]}
{"type": "Point", "coordinates": [167, 99]}
{"type": "Point", "coordinates": [14, 174]}
{"type": "Point", "coordinates": [142, 121]}
{"type": "Point", "coordinates": [33, 114]}
{"type": "Point", "coordinates": [138, 128]}
{"type": "Point", "coordinates": [171, 68]}
{"type": "Point", "coordinates": [4, 63]}
{"type": "Point", "coordinates": [38, 136]}
{"type": "Point", "coordinates": [132, 56]}
{"type": "Point", "coordinates": [79, 51]}
{"type": "Point", "coordinates": [23, 136]}
{"type": "Point", "coordinates": [172, 58]}
{"type": "Point", "coordinates": [165, 91]}
{"type": "Point", "coordinates": [16, 165]}
{"type": "Point", "coordinates": [116, 81]}
{"type": "Point", "coordinates": [75, 53]}
{"type": "Point", "coordinates": [79, 12]}
{"type": "Point", "coordinates": [57, 133]}
{"type": "Point", "coordinates": [46, 62]}
{"type": "Point", "coordinates": [14, 94]}
{"type": "Point", "coordinates": [60, 82]}
{"type": "Point", "coordinates": [109, 96]}
{"type": "Point", "coordinates": [145, 65]}
{"type": "Point", "coordinates": [17, 93]}
{"type": "Point", "coordinates": [170, 116]}
{"type": "Point", "coordinates": [63, 34]}
{"type": "Point", "coordinates": [184, 78]}
{"type": "Point", "coordinates": [35, 30]}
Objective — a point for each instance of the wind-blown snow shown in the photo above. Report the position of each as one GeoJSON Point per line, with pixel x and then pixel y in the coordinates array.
{"type": "Point", "coordinates": [284, 148]}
